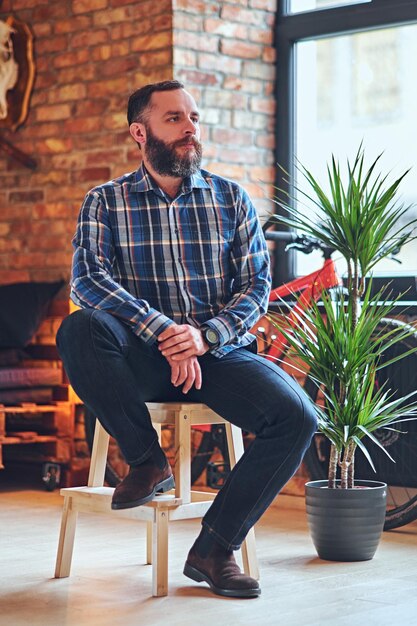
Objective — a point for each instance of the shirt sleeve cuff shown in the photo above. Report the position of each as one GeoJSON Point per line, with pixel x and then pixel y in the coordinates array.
{"type": "Point", "coordinates": [151, 326]}
{"type": "Point", "coordinates": [225, 331]}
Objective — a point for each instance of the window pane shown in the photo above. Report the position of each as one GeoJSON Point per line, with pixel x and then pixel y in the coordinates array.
{"type": "Point", "coordinates": [360, 87]}
{"type": "Point", "coordinates": [300, 6]}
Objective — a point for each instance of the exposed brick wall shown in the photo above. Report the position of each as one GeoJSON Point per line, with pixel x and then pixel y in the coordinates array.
{"type": "Point", "coordinates": [90, 54]}
{"type": "Point", "coordinates": [223, 51]}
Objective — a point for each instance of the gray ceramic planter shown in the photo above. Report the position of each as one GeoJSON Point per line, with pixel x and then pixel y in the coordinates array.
{"type": "Point", "coordinates": [346, 524]}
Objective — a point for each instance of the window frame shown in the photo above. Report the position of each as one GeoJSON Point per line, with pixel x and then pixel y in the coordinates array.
{"type": "Point", "coordinates": [292, 28]}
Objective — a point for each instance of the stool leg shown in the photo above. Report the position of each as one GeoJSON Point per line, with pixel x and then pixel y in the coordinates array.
{"type": "Point", "coordinates": [160, 554]}
{"type": "Point", "coordinates": [183, 457]}
{"type": "Point", "coordinates": [235, 448]}
{"type": "Point", "coordinates": [98, 456]}
{"type": "Point", "coordinates": [66, 539]}
{"type": "Point", "coordinates": [149, 534]}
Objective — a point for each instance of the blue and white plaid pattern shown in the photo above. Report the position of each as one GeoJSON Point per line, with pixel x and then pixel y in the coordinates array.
{"type": "Point", "coordinates": [150, 260]}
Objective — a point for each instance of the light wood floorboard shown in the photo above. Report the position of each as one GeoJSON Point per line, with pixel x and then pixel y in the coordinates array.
{"type": "Point", "coordinates": [111, 585]}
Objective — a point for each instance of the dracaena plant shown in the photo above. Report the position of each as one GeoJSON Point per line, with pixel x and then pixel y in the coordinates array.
{"type": "Point", "coordinates": [340, 346]}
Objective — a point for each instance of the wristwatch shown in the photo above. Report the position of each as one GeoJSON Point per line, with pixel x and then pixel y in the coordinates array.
{"type": "Point", "coordinates": [211, 336]}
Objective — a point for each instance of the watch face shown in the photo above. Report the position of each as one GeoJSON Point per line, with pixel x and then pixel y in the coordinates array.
{"type": "Point", "coordinates": [211, 337]}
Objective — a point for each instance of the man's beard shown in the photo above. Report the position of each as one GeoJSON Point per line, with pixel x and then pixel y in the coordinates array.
{"type": "Point", "coordinates": [167, 162]}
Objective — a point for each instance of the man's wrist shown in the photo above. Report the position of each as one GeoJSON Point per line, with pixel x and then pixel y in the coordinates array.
{"type": "Point", "coordinates": [210, 335]}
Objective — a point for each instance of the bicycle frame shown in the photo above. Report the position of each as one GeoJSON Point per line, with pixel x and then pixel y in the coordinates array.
{"type": "Point", "coordinates": [310, 288]}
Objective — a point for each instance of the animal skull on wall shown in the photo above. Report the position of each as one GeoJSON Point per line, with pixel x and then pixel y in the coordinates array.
{"type": "Point", "coordinates": [9, 68]}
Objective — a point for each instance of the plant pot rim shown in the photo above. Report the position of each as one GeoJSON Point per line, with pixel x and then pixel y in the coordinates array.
{"type": "Point", "coordinates": [372, 484]}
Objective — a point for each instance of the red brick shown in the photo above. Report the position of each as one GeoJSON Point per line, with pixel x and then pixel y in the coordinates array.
{"type": "Point", "coordinates": [111, 16]}
{"type": "Point", "coordinates": [252, 121]}
{"type": "Point", "coordinates": [83, 125]}
{"type": "Point", "coordinates": [130, 29]}
{"type": "Point", "coordinates": [269, 54]}
{"type": "Point", "coordinates": [262, 174]}
{"type": "Point", "coordinates": [71, 58]}
{"type": "Point", "coordinates": [54, 145]}
{"type": "Point", "coordinates": [74, 24]}
{"type": "Point", "coordinates": [230, 155]}
{"type": "Point", "coordinates": [199, 78]}
{"type": "Point", "coordinates": [162, 22]}
{"type": "Point", "coordinates": [187, 58]}
{"type": "Point", "coordinates": [246, 16]}
{"type": "Point", "coordinates": [156, 58]}
{"type": "Point", "coordinates": [72, 74]}
{"type": "Point", "coordinates": [117, 67]}
{"type": "Point", "coordinates": [8, 277]}
{"type": "Point", "coordinates": [209, 43]}
{"type": "Point", "coordinates": [86, 6]}
{"type": "Point", "coordinates": [261, 35]}
{"type": "Point", "coordinates": [52, 44]}
{"type": "Point", "coordinates": [91, 105]}
{"type": "Point", "coordinates": [201, 7]}
{"type": "Point", "coordinates": [266, 5]}
{"type": "Point", "coordinates": [51, 11]}
{"type": "Point", "coordinates": [67, 92]}
{"type": "Point", "coordinates": [184, 21]}
{"type": "Point", "coordinates": [45, 80]}
{"type": "Point", "coordinates": [265, 141]}
{"type": "Point", "coordinates": [226, 99]}
{"type": "Point", "coordinates": [263, 105]}
{"type": "Point", "coordinates": [231, 137]}
{"type": "Point", "coordinates": [41, 30]}
{"type": "Point", "coordinates": [34, 195]}
{"type": "Point", "coordinates": [235, 172]}
{"type": "Point", "coordinates": [87, 38]}
{"type": "Point", "coordinates": [53, 112]}
{"type": "Point", "coordinates": [219, 63]}
{"type": "Point", "coordinates": [140, 9]}
{"type": "Point", "coordinates": [245, 85]}
{"type": "Point", "coordinates": [259, 70]}
{"type": "Point", "coordinates": [98, 174]}
{"type": "Point", "coordinates": [152, 42]}
{"type": "Point", "coordinates": [225, 29]}
{"type": "Point", "coordinates": [103, 53]}
{"type": "Point", "coordinates": [106, 88]}
{"type": "Point", "coordinates": [240, 49]}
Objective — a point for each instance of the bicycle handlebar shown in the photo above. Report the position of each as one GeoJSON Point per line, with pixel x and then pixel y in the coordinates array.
{"type": "Point", "coordinates": [306, 243]}
{"type": "Point", "coordinates": [303, 243]}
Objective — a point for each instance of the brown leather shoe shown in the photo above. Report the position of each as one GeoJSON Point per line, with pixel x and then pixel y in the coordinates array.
{"type": "Point", "coordinates": [141, 485]}
{"type": "Point", "coordinates": [220, 570]}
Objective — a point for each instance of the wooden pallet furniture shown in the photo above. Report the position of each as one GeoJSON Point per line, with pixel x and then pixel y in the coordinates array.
{"type": "Point", "coordinates": [182, 503]}
{"type": "Point", "coordinates": [41, 432]}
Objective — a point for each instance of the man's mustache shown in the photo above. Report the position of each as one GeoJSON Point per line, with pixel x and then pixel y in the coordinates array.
{"type": "Point", "coordinates": [186, 142]}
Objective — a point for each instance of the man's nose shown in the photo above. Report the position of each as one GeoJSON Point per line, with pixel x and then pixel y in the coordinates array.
{"type": "Point", "coordinates": [190, 128]}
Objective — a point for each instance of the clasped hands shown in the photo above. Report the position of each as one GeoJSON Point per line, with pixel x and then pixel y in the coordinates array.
{"type": "Point", "coordinates": [181, 344]}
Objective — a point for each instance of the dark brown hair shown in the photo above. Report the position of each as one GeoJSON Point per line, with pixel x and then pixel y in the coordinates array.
{"type": "Point", "coordinates": [140, 99]}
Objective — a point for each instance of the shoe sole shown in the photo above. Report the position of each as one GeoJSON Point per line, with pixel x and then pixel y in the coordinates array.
{"type": "Point", "coordinates": [164, 485]}
{"type": "Point", "coordinates": [199, 577]}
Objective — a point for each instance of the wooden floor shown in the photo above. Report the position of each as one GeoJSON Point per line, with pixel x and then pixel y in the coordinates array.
{"type": "Point", "coordinates": [111, 586]}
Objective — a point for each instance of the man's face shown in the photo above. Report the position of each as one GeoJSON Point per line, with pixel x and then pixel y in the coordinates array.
{"type": "Point", "coordinates": [171, 134]}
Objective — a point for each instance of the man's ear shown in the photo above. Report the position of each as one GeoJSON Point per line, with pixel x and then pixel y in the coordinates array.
{"type": "Point", "coordinates": [138, 132]}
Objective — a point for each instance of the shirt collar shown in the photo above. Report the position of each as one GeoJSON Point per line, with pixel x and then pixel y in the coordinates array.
{"type": "Point", "coordinates": [143, 182]}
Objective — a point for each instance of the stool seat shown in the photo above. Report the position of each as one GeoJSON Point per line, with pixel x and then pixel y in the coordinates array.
{"type": "Point", "coordinates": [179, 504]}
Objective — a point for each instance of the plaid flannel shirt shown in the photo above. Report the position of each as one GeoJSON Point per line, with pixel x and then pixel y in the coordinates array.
{"type": "Point", "coordinates": [151, 260]}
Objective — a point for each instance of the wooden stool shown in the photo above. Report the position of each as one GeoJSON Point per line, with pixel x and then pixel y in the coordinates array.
{"type": "Point", "coordinates": [183, 503]}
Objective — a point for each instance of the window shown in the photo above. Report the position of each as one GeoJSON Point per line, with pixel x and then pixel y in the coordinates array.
{"type": "Point", "coordinates": [347, 75]}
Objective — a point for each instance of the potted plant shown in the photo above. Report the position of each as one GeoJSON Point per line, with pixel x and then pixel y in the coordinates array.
{"type": "Point", "coordinates": [340, 348]}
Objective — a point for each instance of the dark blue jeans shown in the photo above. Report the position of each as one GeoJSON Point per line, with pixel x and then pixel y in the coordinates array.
{"type": "Point", "coordinates": [115, 373]}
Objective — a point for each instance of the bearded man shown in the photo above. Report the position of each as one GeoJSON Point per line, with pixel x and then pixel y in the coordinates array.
{"type": "Point", "coordinates": [171, 272]}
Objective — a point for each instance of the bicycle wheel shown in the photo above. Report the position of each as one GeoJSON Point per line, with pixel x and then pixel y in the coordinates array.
{"type": "Point", "coordinates": [401, 476]}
